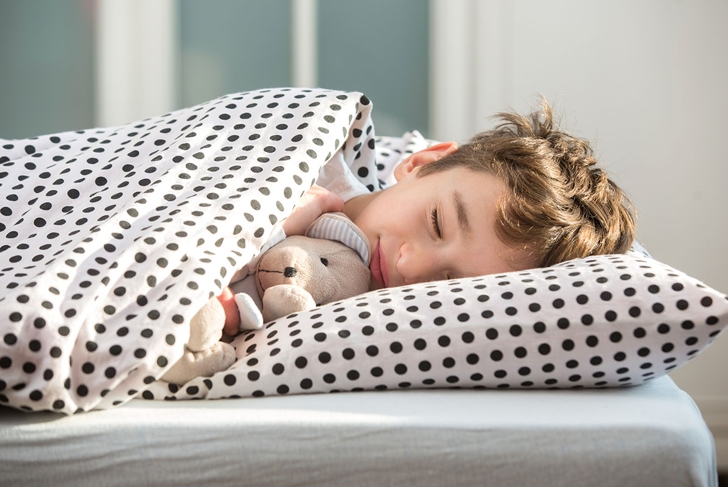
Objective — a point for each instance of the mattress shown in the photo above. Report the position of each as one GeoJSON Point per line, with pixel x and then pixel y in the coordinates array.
{"type": "Point", "coordinates": [646, 435]}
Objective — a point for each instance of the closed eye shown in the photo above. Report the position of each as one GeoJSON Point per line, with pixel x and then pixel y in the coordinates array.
{"type": "Point", "coordinates": [435, 223]}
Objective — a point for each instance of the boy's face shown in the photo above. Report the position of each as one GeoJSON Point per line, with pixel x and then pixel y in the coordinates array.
{"type": "Point", "coordinates": [440, 226]}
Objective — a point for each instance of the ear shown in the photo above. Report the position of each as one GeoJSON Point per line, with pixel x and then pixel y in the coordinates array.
{"type": "Point", "coordinates": [423, 157]}
{"type": "Point", "coordinates": [339, 228]}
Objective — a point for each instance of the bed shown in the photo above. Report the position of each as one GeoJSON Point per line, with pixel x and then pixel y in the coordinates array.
{"type": "Point", "coordinates": [651, 435]}
{"type": "Point", "coordinates": [113, 238]}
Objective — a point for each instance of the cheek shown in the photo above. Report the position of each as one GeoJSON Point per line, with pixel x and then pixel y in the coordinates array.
{"type": "Point", "coordinates": [370, 221]}
{"type": "Point", "coordinates": [390, 214]}
{"type": "Point", "coordinates": [371, 234]}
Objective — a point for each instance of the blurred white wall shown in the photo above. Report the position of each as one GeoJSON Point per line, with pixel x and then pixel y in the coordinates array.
{"type": "Point", "coordinates": [136, 60]}
{"type": "Point", "coordinates": [647, 82]}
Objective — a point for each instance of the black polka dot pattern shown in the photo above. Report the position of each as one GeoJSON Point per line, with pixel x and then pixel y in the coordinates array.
{"type": "Point", "coordinates": [111, 239]}
{"type": "Point", "coordinates": [390, 151]}
{"type": "Point", "coordinates": [606, 321]}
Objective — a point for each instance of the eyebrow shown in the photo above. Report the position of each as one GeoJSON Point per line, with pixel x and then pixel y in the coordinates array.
{"type": "Point", "coordinates": [462, 213]}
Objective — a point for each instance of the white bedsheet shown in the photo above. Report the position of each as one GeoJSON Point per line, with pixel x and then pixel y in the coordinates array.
{"type": "Point", "coordinates": [651, 435]}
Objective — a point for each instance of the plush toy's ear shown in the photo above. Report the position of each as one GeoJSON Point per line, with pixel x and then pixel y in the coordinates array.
{"type": "Point", "coordinates": [338, 227]}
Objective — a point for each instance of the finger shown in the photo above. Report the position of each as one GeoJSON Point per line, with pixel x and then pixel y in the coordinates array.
{"type": "Point", "coordinates": [232, 316]}
{"type": "Point", "coordinates": [326, 200]}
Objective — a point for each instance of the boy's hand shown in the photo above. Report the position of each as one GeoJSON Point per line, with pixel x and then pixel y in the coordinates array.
{"type": "Point", "coordinates": [314, 203]}
{"type": "Point", "coordinates": [232, 315]}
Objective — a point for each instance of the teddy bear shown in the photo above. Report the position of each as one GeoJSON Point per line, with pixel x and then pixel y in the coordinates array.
{"type": "Point", "coordinates": [329, 264]}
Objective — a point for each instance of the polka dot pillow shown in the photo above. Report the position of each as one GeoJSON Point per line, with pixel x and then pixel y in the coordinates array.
{"type": "Point", "coordinates": [606, 321]}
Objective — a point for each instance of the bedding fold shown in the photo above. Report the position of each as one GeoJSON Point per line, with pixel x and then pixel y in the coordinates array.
{"type": "Point", "coordinates": [113, 238]}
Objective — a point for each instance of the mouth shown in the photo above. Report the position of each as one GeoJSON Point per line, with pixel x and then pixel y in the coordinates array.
{"type": "Point", "coordinates": [378, 267]}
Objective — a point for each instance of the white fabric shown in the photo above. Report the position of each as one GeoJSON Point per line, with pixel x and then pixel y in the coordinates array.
{"type": "Point", "coordinates": [336, 176]}
{"type": "Point", "coordinates": [339, 228]}
{"type": "Point", "coordinates": [647, 436]}
{"type": "Point", "coordinates": [111, 239]}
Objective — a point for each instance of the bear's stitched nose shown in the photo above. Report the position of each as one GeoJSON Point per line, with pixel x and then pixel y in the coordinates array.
{"type": "Point", "coordinates": [290, 272]}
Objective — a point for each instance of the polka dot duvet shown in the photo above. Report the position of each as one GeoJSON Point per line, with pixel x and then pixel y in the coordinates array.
{"type": "Point", "coordinates": [113, 238]}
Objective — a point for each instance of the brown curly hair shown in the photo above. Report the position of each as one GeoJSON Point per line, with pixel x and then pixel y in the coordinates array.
{"type": "Point", "coordinates": [560, 206]}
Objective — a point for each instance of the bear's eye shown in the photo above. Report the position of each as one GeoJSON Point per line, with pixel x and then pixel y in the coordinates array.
{"type": "Point", "coordinates": [324, 261]}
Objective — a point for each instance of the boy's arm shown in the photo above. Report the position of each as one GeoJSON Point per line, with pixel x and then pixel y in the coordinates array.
{"type": "Point", "coordinates": [314, 203]}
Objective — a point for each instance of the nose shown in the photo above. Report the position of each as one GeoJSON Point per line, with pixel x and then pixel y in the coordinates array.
{"type": "Point", "coordinates": [416, 264]}
{"type": "Point", "coordinates": [290, 272]}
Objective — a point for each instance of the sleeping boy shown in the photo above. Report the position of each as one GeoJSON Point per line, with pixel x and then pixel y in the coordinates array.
{"type": "Point", "coordinates": [520, 196]}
